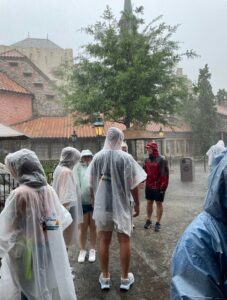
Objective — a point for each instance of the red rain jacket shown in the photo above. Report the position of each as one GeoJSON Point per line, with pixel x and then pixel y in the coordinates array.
{"type": "Point", "coordinates": [157, 172]}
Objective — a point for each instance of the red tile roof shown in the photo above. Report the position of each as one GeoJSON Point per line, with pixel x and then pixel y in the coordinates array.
{"type": "Point", "coordinates": [62, 127]}
{"type": "Point", "coordinates": [9, 85]}
{"type": "Point", "coordinates": [222, 110]}
{"type": "Point", "coordinates": [12, 53]}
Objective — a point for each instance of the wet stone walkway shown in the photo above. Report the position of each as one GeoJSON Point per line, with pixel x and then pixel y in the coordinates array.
{"type": "Point", "coordinates": [151, 251]}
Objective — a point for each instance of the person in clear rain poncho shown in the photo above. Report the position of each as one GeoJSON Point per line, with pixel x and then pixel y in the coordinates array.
{"type": "Point", "coordinates": [80, 174]}
{"type": "Point", "coordinates": [199, 265]}
{"type": "Point", "coordinates": [114, 177]}
{"type": "Point", "coordinates": [35, 263]}
{"type": "Point", "coordinates": [65, 187]}
{"type": "Point", "coordinates": [214, 151]}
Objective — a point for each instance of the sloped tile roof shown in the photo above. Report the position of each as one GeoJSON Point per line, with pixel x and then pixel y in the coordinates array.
{"type": "Point", "coordinates": [9, 85]}
{"type": "Point", "coordinates": [62, 127]}
{"type": "Point", "coordinates": [12, 54]}
{"type": "Point", "coordinates": [36, 43]}
{"type": "Point", "coordinates": [181, 127]}
{"type": "Point", "coordinates": [222, 110]}
{"type": "Point", "coordinates": [9, 132]}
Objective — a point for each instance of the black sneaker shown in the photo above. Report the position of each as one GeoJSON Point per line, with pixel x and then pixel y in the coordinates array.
{"type": "Point", "coordinates": [148, 224]}
{"type": "Point", "coordinates": [157, 226]}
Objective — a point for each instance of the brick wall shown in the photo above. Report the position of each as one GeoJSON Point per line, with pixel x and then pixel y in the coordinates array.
{"type": "Point", "coordinates": [46, 97]}
{"type": "Point", "coordinates": [15, 107]}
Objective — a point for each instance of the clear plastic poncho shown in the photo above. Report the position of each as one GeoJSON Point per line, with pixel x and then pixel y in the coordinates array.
{"type": "Point", "coordinates": [113, 174]}
{"type": "Point", "coordinates": [214, 151]}
{"type": "Point", "coordinates": [80, 175]}
{"type": "Point", "coordinates": [199, 266]}
{"type": "Point", "coordinates": [31, 236]}
{"type": "Point", "coordinates": [65, 187]}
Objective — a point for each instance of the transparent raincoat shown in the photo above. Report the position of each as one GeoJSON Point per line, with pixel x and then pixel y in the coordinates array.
{"type": "Point", "coordinates": [35, 260]}
{"type": "Point", "coordinates": [65, 187]}
{"type": "Point", "coordinates": [214, 151]}
{"type": "Point", "coordinates": [113, 174]}
{"type": "Point", "coordinates": [199, 266]}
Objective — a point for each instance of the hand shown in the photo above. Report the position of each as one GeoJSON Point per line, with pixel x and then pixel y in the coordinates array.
{"type": "Point", "coordinates": [162, 191]}
{"type": "Point", "coordinates": [137, 210]}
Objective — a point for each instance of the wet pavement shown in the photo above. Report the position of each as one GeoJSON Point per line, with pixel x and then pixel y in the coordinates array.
{"type": "Point", "coordinates": [151, 251]}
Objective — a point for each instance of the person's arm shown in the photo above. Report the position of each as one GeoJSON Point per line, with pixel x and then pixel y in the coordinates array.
{"type": "Point", "coordinates": [135, 195]}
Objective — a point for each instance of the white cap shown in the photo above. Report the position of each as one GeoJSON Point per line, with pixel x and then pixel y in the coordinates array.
{"type": "Point", "coordinates": [86, 152]}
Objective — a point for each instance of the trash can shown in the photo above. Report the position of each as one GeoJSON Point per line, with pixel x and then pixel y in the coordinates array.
{"type": "Point", "coordinates": [186, 169]}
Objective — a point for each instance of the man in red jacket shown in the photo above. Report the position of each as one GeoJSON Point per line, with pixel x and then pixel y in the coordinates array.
{"type": "Point", "coordinates": [156, 167]}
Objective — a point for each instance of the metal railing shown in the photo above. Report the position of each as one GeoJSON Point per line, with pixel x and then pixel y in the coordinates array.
{"type": "Point", "coordinates": [7, 184]}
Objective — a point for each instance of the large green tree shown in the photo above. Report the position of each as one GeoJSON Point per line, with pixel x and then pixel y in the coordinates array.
{"type": "Point", "coordinates": [128, 72]}
{"type": "Point", "coordinates": [201, 112]}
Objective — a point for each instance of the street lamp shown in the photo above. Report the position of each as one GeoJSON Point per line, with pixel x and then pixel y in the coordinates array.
{"type": "Point", "coordinates": [99, 129]}
{"type": "Point", "coordinates": [161, 136]}
{"type": "Point", "coordinates": [73, 137]}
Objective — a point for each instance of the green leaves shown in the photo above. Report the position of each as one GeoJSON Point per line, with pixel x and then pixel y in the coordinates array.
{"type": "Point", "coordinates": [127, 72]}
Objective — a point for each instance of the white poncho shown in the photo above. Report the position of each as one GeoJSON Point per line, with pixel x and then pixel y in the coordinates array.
{"type": "Point", "coordinates": [35, 259]}
{"type": "Point", "coordinates": [65, 187]}
{"type": "Point", "coordinates": [113, 174]}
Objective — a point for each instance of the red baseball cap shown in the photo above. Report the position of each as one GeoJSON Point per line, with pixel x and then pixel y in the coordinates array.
{"type": "Point", "coordinates": [151, 145]}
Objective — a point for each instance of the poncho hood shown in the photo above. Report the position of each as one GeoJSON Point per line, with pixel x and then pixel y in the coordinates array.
{"type": "Point", "coordinates": [216, 198]}
{"type": "Point", "coordinates": [69, 157]}
{"type": "Point", "coordinates": [26, 168]}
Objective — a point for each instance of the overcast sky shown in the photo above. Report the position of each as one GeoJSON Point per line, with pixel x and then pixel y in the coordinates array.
{"type": "Point", "coordinates": [203, 26]}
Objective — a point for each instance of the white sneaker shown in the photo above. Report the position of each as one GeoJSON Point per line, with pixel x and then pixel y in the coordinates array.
{"type": "Point", "coordinates": [126, 283]}
{"type": "Point", "coordinates": [82, 256]}
{"type": "Point", "coordinates": [92, 255]}
{"type": "Point", "coordinates": [104, 282]}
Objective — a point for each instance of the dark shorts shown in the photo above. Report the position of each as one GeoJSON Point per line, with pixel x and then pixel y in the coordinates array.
{"type": "Point", "coordinates": [152, 194]}
{"type": "Point", "coordinates": [87, 208]}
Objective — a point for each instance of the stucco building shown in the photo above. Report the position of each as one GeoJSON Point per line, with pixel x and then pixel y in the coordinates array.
{"type": "Point", "coordinates": [44, 53]}
{"type": "Point", "coordinates": [15, 101]}
{"type": "Point", "coordinates": [46, 98]}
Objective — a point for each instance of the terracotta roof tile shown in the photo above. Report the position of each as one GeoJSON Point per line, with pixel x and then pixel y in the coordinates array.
{"type": "Point", "coordinates": [12, 53]}
{"type": "Point", "coordinates": [7, 84]}
{"type": "Point", "coordinates": [62, 127]}
{"type": "Point", "coordinates": [222, 110]}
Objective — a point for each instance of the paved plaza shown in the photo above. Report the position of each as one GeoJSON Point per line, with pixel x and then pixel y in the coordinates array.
{"type": "Point", "coordinates": [151, 251]}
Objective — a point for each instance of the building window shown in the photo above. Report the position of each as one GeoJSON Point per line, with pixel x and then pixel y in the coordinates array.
{"type": "Point", "coordinates": [188, 147]}
{"type": "Point", "coordinates": [13, 63]}
{"type": "Point", "coordinates": [38, 84]}
{"type": "Point", "coordinates": [49, 96]}
{"type": "Point", "coordinates": [170, 148]}
{"type": "Point", "coordinates": [27, 74]}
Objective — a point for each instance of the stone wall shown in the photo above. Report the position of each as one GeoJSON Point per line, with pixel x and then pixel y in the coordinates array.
{"type": "Point", "coordinates": [46, 96]}
{"type": "Point", "coordinates": [46, 59]}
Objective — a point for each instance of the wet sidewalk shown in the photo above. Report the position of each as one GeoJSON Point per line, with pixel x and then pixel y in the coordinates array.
{"type": "Point", "coordinates": [151, 251]}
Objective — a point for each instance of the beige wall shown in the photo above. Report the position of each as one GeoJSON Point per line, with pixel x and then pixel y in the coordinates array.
{"type": "Point", "coordinates": [44, 58]}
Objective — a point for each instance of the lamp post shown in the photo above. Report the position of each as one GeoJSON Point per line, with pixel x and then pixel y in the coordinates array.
{"type": "Point", "coordinates": [161, 137]}
{"type": "Point", "coordinates": [99, 129]}
{"type": "Point", "coordinates": [73, 137]}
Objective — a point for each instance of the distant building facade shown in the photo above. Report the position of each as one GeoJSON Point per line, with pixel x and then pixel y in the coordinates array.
{"type": "Point", "coordinates": [15, 101]}
{"type": "Point", "coordinates": [45, 54]}
{"type": "Point", "coordinates": [47, 99]}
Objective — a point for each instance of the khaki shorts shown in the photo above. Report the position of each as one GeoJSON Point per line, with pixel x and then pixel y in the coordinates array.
{"type": "Point", "coordinates": [109, 226]}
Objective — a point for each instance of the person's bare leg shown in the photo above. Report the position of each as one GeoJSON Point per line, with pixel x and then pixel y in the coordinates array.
{"type": "Point", "coordinates": [104, 244]}
{"type": "Point", "coordinates": [159, 211]}
{"type": "Point", "coordinates": [125, 253]}
{"type": "Point", "coordinates": [83, 232]}
{"type": "Point", "coordinates": [93, 234]}
{"type": "Point", "coordinates": [149, 209]}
